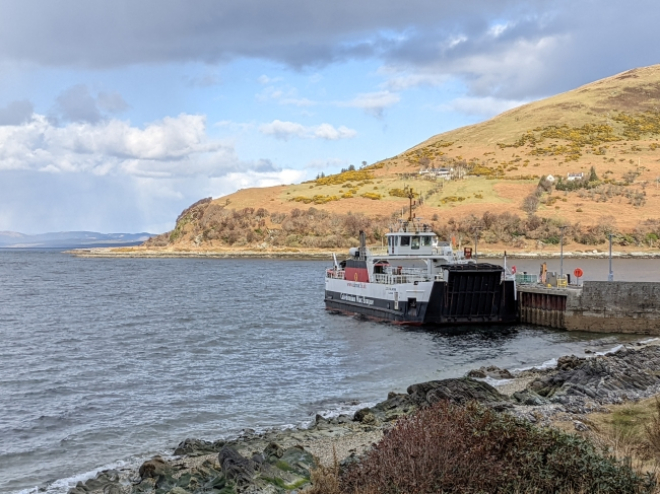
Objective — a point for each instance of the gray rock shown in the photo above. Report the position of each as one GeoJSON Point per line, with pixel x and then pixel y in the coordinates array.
{"type": "Point", "coordinates": [454, 390]}
{"type": "Point", "coordinates": [477, 374]}
{"type": "Point", "coordinates": [529, 397]}
{"type": "Point", "coordinates": [624, 375]}
{"type": "Point", "coordinates": [490, 371]}
{"type": "Point", "coordinates": [569, 362]}
{"type": "Point", "coordinates": [298, 460]}
{"type": "Point", "coordinates": [154, 469]}
{"type": "Point", "coordinates": [365, 416]}
{"type": "Point", "coordinates": [273, 452]}
{"type": "Point", "coordinates": [191, 446]}
{"type": "Point", "coordinates": [235, 467]}
{"type": "Point", "coordinates": [580, 426]}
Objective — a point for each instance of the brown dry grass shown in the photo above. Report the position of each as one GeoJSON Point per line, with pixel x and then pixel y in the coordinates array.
{"type": "Point", "coordinates": [630, 431]}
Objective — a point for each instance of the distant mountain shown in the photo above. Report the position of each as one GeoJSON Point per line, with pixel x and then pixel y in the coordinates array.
{"type": "Point", "coordinates": [70, 240]}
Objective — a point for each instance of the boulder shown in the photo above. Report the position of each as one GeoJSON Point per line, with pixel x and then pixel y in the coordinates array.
{"type": "Point", "coordinates": [273, 452]}
{"type": "Point", "coordinates": [236, 467]}
{"type": "Point", "coordinates": [529, 397]}
{"type": "Point", "coordinates": [191, 446]}
{"type": "Point", "coordinates": [154, 469]}
{"type": "Point", "coordinates": [455, 390]}
{"type": "Point", "coordinates": [365, 416]}
{"type": "Point", "coordinates": [297, 460]}
{"type": "Point", "coordinates": [569, 362]}
{"type": "Point", "coordinates": [490, 371]}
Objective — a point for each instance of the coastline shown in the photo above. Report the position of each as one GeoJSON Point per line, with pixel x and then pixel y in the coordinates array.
{"type": "Point", "coordinates": [564, 394]}
{"type": "Point", "coordinates": [311, 255]}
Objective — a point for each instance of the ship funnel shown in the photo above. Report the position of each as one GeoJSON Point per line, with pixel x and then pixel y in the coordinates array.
{"type": "Point", "coordinates": [363, 245]}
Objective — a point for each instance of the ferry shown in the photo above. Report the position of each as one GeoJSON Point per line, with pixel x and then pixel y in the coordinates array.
{"type": "Point", "coordinates": [420, 280]}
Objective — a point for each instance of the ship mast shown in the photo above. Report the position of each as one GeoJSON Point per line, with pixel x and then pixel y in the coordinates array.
{"type": "Point", "coordinates": [411, 196]}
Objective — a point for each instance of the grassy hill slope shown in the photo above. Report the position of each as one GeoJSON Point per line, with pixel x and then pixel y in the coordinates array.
{"type": "Point", "coordinates": [608, 130]}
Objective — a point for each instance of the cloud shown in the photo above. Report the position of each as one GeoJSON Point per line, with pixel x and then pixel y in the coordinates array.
{"type": "Point", "coordinates": [294, 32]}
{"type": "Point", "coordinates": [16, 113]}
{"type": "Point", "coordinates": [288, 130]}
{"type": "Point", "coordinates": [284, 96]}
{"type": "Point", "coordinates": [112, 102]}
{"type": "Point", "coordinates": [508, 49]}
{"type": "Point", "coordinates": [373, 103]}
{"type": "Point", "coordinates": [207, 79]}
{"type": "Point", "coordinates": [264, 79]}
{"type": "Point", "coordinates": [77, 104]}
{"type": "Point", "coordinates": [481, 107]}
{"type": "Point", "coordinates": [113, 176]}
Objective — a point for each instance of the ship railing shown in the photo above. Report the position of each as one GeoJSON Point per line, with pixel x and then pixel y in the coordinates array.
{"type": "Point", "coordinates": [337, 274]}
{"type": "Point", "coordinates": [393, 279]}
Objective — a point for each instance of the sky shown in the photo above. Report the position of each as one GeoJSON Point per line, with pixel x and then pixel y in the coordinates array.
{"type": "Point", "coordinates": [116, 116]}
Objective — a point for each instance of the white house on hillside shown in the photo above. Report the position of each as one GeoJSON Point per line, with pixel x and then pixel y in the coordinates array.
{"type": "Point", "coordinates": [574, 176]}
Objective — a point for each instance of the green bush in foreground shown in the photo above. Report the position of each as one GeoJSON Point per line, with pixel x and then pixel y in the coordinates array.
{"type": "Point", "coordinates": [451, 448]}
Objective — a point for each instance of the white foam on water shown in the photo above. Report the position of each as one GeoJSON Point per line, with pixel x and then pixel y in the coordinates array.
{"type": "Point", "coordinates": [613, 350]}
{"type": "Point", "coordinates": [496, 382]}
{"type": "Point", "coordinates": [61, 486]}
{"type": "Point", "coordinates": [646, 342]}
{"type": "Point", "coordinates": [548, 364]}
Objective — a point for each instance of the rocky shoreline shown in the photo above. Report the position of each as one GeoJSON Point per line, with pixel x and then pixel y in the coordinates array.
{"type": "Point", "coordinates": [278, 461]}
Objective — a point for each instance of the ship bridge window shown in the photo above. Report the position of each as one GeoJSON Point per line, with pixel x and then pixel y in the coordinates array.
{"type": "Point", "coordinates": [405, 241]}
{"type": "Point", "coordinates": [415, 243]}
{"type": "Point", "coordinates": [428, 241]}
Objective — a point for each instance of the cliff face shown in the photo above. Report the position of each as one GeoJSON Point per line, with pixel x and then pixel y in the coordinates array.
{"type": "Point", "coordinates": [598, 143]}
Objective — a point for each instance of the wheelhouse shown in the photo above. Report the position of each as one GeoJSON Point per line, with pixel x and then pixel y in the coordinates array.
{"type": "Point", "coordinates": [411, 243]}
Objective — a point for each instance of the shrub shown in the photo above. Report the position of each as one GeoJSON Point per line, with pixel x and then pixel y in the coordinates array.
{"type": "Point", "coordinates": [372, 195]}
{"type": "Point", "coordinates": [346, 176]}
{"type": "Point", "coordinates": [468, 448]}
{"type": "Point", "coordinates": [530, 204]}
{"type": "Point", "coordinates": [398, 192]}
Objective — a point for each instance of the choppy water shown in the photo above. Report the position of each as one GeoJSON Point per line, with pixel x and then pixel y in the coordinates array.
{"type": "Point", "coordinates": [108, 360]}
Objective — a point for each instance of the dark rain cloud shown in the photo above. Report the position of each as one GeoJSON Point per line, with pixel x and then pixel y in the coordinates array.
{"type": "Point", "coordinates": [547, 46]}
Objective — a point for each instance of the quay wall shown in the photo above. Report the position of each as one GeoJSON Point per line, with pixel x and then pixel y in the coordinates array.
{"type": "Point", "coordinates": [615, 307]}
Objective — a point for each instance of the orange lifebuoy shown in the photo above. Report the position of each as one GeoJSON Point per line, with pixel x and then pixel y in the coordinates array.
{"type": "Point", "coordinates": [578, 273]}
{"type": "Point", "coordinates": [513, 270]}
{"type": "Point", "coordinates": [355, 277]}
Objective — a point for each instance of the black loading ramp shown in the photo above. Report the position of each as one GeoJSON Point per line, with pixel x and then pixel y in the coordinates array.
{"type": "Point", "coordinates": [473, 293]}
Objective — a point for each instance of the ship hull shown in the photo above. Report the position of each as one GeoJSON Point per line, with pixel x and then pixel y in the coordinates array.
{"type": "Point", "coordinates": [468, 296]}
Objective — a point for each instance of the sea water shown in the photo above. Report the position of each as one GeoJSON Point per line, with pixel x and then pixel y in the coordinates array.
{"type": "Point", "coordinates": [105, 361]}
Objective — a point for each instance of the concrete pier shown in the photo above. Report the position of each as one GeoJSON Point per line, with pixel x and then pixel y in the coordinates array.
{"type": "Point", "coordinates": [598, 306]}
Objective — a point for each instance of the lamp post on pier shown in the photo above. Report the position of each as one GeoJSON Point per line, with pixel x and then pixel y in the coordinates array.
{"type": "Point", "coordinates": [561, 251]}
{"type": "Point", "coordinates": [610, 275]}
{"type": "Point", "coordinates": [476, 243]}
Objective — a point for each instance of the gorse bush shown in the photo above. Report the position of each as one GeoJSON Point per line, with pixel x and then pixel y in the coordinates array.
{"type": "Point", "coordinates": [346, 176]}
{"type": "Point", "coordinates": [452, 448]}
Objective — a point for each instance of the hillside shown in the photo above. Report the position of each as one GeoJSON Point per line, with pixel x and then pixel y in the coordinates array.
{"type": "Point", "coordinates": [607, 130]}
